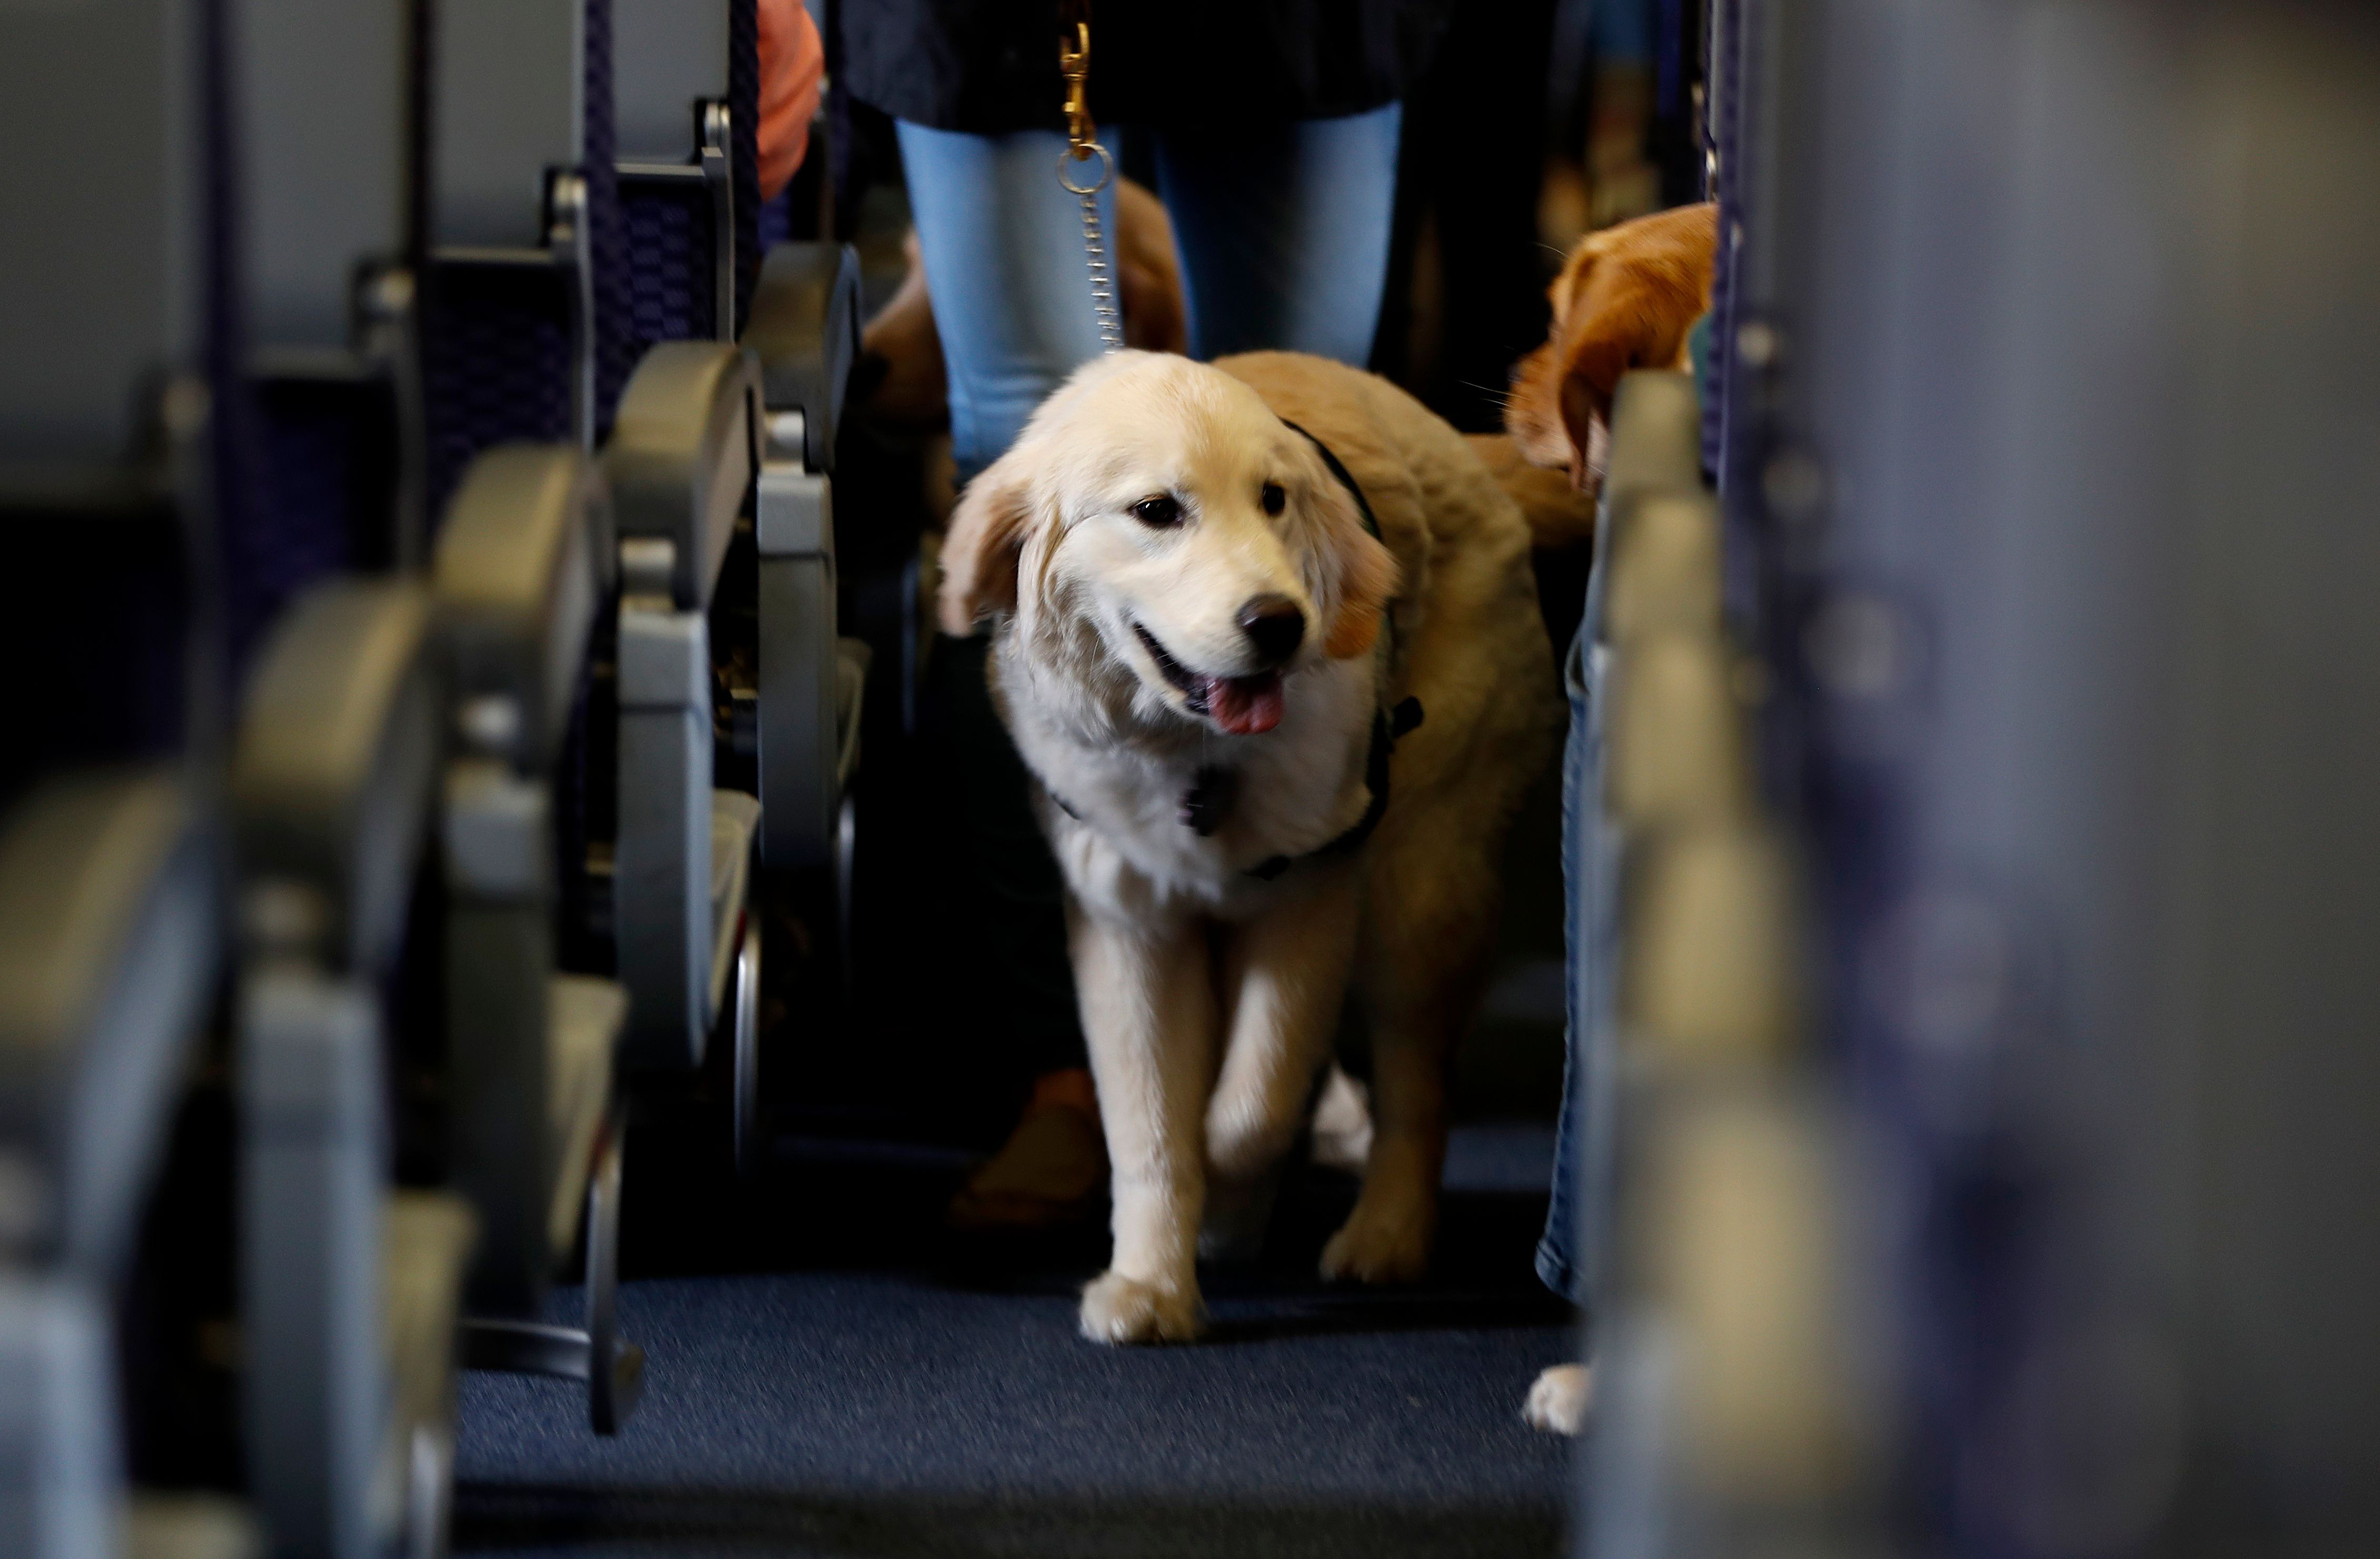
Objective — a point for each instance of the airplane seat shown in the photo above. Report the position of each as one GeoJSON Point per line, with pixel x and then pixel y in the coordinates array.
{"type": "Point", "coordinates": [109, 966]}
{"type": "Point", "coordinates": [524, 335]}
{"type": "Point", "coordinates": [519, 576]}
{"type": "Point", "coordinates": [804, 330]}
{"type": "Point", "coordinates": [746, 517]}
{"type": "Point", "coordinates": [685, 92]}
{"type": "Point", "coordinates": [680, 462]}
{"type": "Point", "coordinates": [533, 96]}
{"type": "Point", "coordinates": [679, 140]}
{"type": "Point", "coordinates": [361, 1208]}
{"type": "Point", "coordinates": [351, 1258]}
{"type": "Point", "coordinates": [119, 467]}
{"type": "Point", "coordinates": [357, 1281]}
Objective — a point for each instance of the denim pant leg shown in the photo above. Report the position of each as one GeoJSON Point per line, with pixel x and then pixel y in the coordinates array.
{"type": "Point", "coordinates": [1004, 251]}
{"type": "Point", "coordinates": [1284, 231]}
{"type": "Point", "coordinates": [1002, 246]}
{"type": "Point", "coordinates": [1570, 1257]}
{"type": "Point", "coordinates": [1623, 32]}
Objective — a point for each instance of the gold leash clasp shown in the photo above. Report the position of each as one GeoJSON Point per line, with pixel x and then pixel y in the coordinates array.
{"type": "Point", "coordinates": [1081, 146]}
{"type": "Point", "coordinates": [1074, 63]}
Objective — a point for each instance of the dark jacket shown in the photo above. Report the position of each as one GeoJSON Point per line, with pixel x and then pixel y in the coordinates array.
{"type": "Point", "coordinates": [991, 65]}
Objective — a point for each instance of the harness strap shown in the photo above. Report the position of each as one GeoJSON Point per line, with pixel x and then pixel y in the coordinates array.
{"type": "Point", "coordinates": [1387, 726]}
{"type": "Point", "coordinates": [1329, 458]}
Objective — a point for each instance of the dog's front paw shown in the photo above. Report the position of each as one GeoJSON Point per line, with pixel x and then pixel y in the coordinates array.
{"type": "Point", "coordinates": [1559, 1399]}
{"type": "Point", "coordinates": [1384, 1240]}
{"type": "Point", "coordinates": [1117, 1308]}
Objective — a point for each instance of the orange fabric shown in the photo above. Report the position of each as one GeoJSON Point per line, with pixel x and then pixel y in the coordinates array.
{"type": "Point", "coordinates": [793, 62]}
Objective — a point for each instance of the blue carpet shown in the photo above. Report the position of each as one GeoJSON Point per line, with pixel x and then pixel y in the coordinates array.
{"type": "Point", "coordinates": [886, 1395]}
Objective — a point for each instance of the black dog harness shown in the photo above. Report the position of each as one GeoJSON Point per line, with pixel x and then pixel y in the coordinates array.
{"type": "Point", "coordinates": [1208, 801]}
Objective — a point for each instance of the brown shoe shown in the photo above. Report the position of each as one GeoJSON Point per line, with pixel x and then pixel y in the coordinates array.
{"type": "Point", "coordinates": [1051, 1173]}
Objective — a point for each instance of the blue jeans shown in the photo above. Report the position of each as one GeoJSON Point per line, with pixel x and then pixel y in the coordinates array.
{"type": "Point", "coordinates": [1283, 233]}
{"type": "Point", "coordinates": [1577, 1220]}
{"type": "Point", "coordinates": [1623, 32]}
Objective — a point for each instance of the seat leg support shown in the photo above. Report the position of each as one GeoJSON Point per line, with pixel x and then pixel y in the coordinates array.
{"type": "Point", "coordinates": [612, 1369]}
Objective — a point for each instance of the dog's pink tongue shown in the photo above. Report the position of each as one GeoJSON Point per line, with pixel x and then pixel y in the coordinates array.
{"type": "Point", "coordinates": [1245, 705]}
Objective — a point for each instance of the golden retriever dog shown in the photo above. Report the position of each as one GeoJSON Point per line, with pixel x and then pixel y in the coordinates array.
{"type": "Point", "coordinates": [1212, 651]}
{"type": "Point", "coordinates": [1626, 298]}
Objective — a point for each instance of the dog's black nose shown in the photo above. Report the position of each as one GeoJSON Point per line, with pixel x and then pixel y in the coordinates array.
{"type": "Point", "coordinates": [1274, 626]}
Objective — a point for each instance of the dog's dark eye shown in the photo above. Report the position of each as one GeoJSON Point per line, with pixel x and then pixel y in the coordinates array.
{"type": "Point", "coordinates": [1273, 497]}
{"type": "Point", "coordinates": [1160, 511]}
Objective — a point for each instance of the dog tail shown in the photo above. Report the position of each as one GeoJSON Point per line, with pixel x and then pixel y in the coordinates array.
{"type": "Point", "coordinates": [1558, 514]}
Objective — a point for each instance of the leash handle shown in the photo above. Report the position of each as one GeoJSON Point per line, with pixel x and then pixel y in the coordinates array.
{"type": "Point", "coordinates": [1082, 145]}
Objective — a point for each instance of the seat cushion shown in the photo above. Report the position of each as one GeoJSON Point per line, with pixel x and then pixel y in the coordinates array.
{"type": "Point", "coordinates": [187, 1525]}
{"type": "Point", "coordinates": [734, 818]}
{"type": "Point", "coordinates": [852, 657]}
{"type": "Point", "coordinates": [427, 1242]}
{"type": "Point", "coordinates": [584, 1020]}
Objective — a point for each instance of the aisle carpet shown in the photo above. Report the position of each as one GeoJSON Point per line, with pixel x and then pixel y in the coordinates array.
{"type": "Point", "coordinates": [830, 1377]}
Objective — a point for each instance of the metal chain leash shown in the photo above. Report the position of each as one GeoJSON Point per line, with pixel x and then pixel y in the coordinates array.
{"type": "Point", "coordinates": [1082, 145]}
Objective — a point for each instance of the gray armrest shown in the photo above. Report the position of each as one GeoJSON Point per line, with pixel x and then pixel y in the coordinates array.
{"type": "Point", "coordinates": [336, 759]}
{"type": "Point", "coordinates": [524, 560]}
{"type": "Point", "coordinates": [331, 785]}
{"type": "Point", "coordinates": [1657, 435]}
{"type": "Point", "coordinates": [518, 577]}
{"type": "Point", "coordinates": [108, 948]}
{"type": "Point", "coordinates": [683, 456]}
{"type": "Point", "coordinates": [61, 1467]}
{"type": "Point", "coordinates": [804, 330]}
{"type": "Point", "coordinates": [1664, 566]}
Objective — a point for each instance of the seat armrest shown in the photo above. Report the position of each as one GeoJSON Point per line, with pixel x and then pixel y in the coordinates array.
{"type": "Point", "coordinates": [1657, 435]}
{"type": "Point", "coordinates": [683, 456]}
{"type": "Point", "coordinates": [804, 329]}
{"type": "Point", "coordinates": [524, 560]}
{"type": "Point", "coordinates": [336, 761]}
{"type": "Point", "coordinates": [108, 945]}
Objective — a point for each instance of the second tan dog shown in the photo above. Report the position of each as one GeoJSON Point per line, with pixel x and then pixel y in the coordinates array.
{"type": "Point", "coordinates": [1627, 297]}
{"type": "Point", "coordinates": [1213, 659]}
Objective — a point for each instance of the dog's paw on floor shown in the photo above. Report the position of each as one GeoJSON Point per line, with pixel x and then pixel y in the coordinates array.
{"type": "Point", "coordinates": [1381, 1242]}
{"type": "Point", "coordinates": [1559, 1399]}
{"type": "Point", "coordinates": [1117, 1308]}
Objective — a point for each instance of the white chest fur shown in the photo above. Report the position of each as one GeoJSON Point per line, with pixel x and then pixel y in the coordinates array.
{"type": "Point", "coordinates": [1119, 837]}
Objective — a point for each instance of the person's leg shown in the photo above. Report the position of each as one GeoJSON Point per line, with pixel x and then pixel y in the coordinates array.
{"type": "Point", "coordinates": [1624, 38]}
{"type": "Point", "coordinates": [1284, 231]}
{"type": "Point", "coordinates": [1570, 1255]}
{"type": "Point", "coordinates": [1003, 248]}
{"type": "Point", "coordinates": [1567, 1254]}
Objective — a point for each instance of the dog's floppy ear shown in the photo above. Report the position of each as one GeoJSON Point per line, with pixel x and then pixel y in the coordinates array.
{"type": "Point", "coordinates": [981, 551]}
{"type": "Point", "coordinates": [1366, 570]}
{"type": "Point", "coordinates": [1627, 299]}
